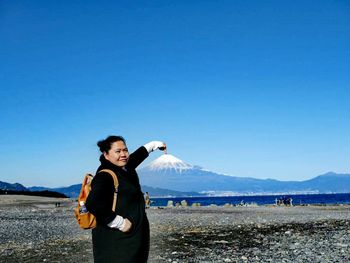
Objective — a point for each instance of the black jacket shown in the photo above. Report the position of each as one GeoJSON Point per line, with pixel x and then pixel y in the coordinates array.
{"type": "Point", "coordinates": [112, 245]}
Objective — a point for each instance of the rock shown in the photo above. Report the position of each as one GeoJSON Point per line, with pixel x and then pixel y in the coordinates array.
{"type": "Point", "coordinates": [184, 203]}
{"type": "Point", "coordinates": [221, 241]}
{"type": "Point", "coordinates": [170, 203]}
{"type": "Point", "coordinates": [244, 258]}
{"type": "Point", "coordinates": [341, 245]}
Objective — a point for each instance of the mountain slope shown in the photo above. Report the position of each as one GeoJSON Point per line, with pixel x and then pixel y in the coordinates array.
{"type": "Point", "coordinates": [329, 182]}
{"type": "Point", "coordinates": [170, 172]}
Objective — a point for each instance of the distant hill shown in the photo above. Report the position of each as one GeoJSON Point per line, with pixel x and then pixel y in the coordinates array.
{"type": "Point", "coordinates": [18, 189]}
{"type": "Point", "coordinates": [70, 191]}
{"type": "Point", "coordinates": [13, 187]}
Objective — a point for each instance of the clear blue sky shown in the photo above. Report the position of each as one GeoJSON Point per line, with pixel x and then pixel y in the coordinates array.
{"type": "Point", "coordinates": [247, 88]}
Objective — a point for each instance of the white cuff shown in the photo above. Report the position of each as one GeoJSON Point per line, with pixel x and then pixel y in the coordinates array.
{"type": "Point", "coordinates": [154, 145]}
{"type": "Point", "coordinates": [118, 222]}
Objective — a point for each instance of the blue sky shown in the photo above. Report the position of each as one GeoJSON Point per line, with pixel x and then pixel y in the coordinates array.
{"type": "Point", "coordinates": [247, 88]}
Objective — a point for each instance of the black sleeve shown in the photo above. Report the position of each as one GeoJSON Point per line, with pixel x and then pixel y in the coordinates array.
{"type": "Point", "coordinates": [137, 157]}
{"type": "Point", "coordinates": [100, 198]}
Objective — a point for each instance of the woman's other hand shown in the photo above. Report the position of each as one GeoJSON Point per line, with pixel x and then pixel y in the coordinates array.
{"type": "Point", "coordinates": [127, 225]}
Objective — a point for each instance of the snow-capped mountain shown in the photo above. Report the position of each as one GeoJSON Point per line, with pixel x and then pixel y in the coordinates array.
{"type": "Point", "coordinates": [168, 162]}
{"type": "Point", "coordinates": [170, 172]}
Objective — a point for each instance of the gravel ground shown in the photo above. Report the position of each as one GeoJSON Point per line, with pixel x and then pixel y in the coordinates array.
{"type": "Point", "coordinates": [37, 231]}
{"type": "Point", "coordinates": [251, 234]}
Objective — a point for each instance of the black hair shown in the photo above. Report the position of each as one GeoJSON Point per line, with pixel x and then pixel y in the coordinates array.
{"type": "Point", "coordinates": [106, 144]}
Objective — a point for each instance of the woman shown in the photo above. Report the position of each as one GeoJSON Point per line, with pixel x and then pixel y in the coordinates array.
{"type": "Point", "coordinates": [123, 235]}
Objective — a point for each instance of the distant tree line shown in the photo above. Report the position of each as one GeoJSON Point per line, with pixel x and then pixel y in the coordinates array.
{"type": "Point", "coordinates": [44, 193]}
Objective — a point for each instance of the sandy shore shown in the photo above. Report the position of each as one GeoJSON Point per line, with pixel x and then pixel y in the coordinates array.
{"type": "Point", "coordinates": [35, 230]}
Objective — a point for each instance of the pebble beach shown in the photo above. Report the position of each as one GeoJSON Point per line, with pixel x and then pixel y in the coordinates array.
{"type": "Point", "coordinates": [34, 229]}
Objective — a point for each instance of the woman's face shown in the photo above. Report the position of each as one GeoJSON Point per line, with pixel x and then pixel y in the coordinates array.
{"type": "Point", "coordinates": [118, 154]}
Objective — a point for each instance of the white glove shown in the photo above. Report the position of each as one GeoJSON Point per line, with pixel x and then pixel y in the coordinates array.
{"type": "Point", "coordinates": [118, 222]}
{"type": "Point", "coordinates": [154, 145]}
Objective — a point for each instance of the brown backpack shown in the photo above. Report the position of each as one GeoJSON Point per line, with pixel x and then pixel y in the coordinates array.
{"type": "Point", "coordinates": [85, 219]}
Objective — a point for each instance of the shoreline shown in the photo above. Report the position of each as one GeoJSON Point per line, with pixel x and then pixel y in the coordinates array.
{"type": "Point", "coordinates": [255, 200]}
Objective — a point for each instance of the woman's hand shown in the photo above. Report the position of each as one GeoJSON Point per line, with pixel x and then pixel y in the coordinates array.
{"type": "Point", "coordinates": [127, 225]}
{"type": "Point", "coordinates": [155, 145]}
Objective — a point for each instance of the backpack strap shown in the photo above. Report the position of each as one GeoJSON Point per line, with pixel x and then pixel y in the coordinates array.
{"type": "Point", "coordinates": [116, 184]}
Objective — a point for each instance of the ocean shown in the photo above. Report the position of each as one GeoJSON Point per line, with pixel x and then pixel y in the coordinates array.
{"type": "Point", "coordinates": [305, 199]}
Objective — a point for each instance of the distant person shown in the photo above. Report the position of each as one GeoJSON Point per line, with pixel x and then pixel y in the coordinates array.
{"type": "Point", "coordinates": [147, 200]}
{"type": "Point", "coordinates": [123, 235]}
{"type": "Point", "coordinates": [280, 201]}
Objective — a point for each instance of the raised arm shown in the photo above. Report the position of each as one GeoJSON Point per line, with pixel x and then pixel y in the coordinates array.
{"type": "Point", "coordinates": [137, 157]}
